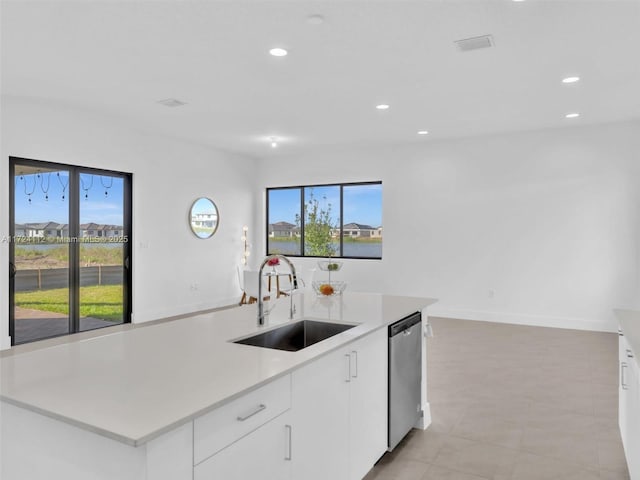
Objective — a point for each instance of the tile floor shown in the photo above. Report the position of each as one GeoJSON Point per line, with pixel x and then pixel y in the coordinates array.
{"type": "Point", "coordinates": [511, 402]}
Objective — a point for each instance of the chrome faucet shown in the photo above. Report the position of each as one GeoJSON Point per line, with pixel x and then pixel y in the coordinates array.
{"type": "Point", "coordinates": [294, 286]}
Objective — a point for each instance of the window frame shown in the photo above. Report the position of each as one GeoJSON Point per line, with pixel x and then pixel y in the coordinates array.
{"type": "Point", "coordinates": [302, 217]}
{"type": "Point", "coordinates": [74, 230]}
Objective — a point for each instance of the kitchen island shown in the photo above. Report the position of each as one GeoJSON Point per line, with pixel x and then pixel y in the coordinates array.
{"type": "Point", "coordinates": [154, 403]}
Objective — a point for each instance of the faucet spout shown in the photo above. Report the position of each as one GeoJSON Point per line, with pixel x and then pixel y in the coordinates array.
{"type": "Point", "coordinates": [294, 285]}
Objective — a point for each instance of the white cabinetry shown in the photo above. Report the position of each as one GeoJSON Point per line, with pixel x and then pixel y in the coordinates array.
{"type": "Point", "coordinates": [247, 438]}
{"type": "Point", "coordinates": [629, 406]}
{"type": "Point", "coordinates": [320, 409]}
{"type": "Point", "coordinates": [326, 420]}
{"type": "Point", "coordinates": [264, 454]}
{"type": "Point", "coordinates": [368, 403]}
{"type": "Point", "coordinates": [215, 430]}
{"type": "Point", "coordinates": [339, 410]}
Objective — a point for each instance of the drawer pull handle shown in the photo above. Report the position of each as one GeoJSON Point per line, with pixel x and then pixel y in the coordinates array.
{"type": "Point", "coordinates": [629, 353]}
{"type": "Point", "coordinates": [257, 410]}
{"type": "Point", "coordinates": [624, 386]}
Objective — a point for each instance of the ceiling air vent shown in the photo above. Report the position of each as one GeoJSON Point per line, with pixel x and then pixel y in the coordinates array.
{"type": "Point", "coordinates": [171, 102]}
{"type": "Point", "coordinates": [474, 43]}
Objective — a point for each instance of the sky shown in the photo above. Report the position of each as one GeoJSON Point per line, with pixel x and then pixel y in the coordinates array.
{"type": "Point", "coordinates": [362, 203]}
{"type": "Point", "coordinates": [95, 206]}
{"type": "Point", "coordinates": [203, 205]}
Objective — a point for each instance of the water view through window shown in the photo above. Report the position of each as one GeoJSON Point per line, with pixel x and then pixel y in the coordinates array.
{"type": "Point", "coordinates": [341, 220]}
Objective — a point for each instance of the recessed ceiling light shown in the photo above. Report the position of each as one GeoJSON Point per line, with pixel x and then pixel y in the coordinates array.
{"type": "Point", "coordinates": [382, 106]}
{"type": "Point", "coordinates": [171, 102]}
{"type": "Point", "coordinates": [278, 52]}
{"type": "Point", "coordinates": [572, 115]}
{"type": "Point", "coordinates": [423, 132]}
{"type": "Point", "coordinates": [474, 43]}
{"type": "Point", "coordinates": [274, 142]}
{"type": "Point", "coordinates": [570, 79]}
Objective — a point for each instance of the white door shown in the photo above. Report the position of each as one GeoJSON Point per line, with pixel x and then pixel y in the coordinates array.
{"type": "Point", "coordinates": [263, 454]}
{"type": "Point", "coordinates": [320, 412]}
{"type": "Point", "coordinates": [368, 403]}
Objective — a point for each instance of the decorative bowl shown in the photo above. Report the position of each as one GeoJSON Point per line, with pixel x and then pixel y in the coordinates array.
{"type": "Point", "coordinates": [321, 287]}
{"type": "Point", "coordinates": [329, 265]}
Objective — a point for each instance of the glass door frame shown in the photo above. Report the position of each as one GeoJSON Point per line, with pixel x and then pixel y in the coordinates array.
{"type": "Point", "coordinates": [74, 233]}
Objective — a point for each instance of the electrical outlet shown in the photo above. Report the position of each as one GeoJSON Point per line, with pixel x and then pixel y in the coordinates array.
{"type": "Point", "coordinates": [193, 287]}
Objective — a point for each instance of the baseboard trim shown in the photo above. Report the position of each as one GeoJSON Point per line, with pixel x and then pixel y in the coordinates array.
{"type": "Point", "coordinates": [425, 420]}
{"type": "Point", "coordinates": [524, 319]}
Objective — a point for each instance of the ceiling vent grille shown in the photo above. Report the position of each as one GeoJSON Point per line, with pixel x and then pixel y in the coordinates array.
{"type": "Point", "coordinates": [171, 102]}
{"type": "Point", "coordinates": [474, 43]}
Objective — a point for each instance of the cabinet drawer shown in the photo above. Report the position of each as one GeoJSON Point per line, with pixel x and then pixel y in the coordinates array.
{"type": "Point", "coordinates": [214, 431]}
{"type": "Point", "coordinates": [263, 454]}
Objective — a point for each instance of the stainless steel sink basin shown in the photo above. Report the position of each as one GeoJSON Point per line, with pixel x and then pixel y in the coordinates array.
{"type": "Point", "coordinates": [296, 336]}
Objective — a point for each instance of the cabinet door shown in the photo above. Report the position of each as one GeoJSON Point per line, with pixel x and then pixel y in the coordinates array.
{"type": "Point", "coordinates": [623, 374]}
{"type": "Point", "coordinates": [320, 414]}
{"type": "Point", "coordinates": [632, 418]}
{"type": "Point", "coordinates": [622, 387]}
{"type": "Point", "coordinates": [264, 454]}
{"type": "Point", "coordinates": [368, 403]}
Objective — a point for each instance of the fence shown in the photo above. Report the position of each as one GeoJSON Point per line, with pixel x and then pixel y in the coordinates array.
{"type": "Point", "coordinates": [48, 278]}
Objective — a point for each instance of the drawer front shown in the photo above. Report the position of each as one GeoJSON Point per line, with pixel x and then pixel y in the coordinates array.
{"type": "Point", "coordinates": [223, 426]}
{"type": "Point", "coordinates": [264, 454]}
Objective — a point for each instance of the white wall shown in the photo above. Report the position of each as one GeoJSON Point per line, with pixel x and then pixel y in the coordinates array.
{"type": "Point", "coordinates": [546, 220]}
{"type": "Point", "coordinates": [168, 176]}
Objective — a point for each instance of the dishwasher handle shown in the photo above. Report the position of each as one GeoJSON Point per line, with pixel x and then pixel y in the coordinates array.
{"type": "Point", "coordinates": [405, 324]}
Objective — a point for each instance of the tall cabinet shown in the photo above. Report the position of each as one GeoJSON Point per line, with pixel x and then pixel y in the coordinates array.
{"type": "Point", "coordinates": [339, 410]}
{"type": "Point", "coordinates": [629, 405]}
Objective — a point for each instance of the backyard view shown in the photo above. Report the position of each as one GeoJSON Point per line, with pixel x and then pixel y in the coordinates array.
{"type": "Point", "coordinates": [321, 233]}
{"type": "Point", "coordinates": [44, 266]}
{"type": "Point", "coordinates": [59, 262]}
{"type": "Point", "coordinates": [353, 247]}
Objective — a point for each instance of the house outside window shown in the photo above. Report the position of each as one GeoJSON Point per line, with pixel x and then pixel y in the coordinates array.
{"type": "Point", "coordinates": [337, 220]}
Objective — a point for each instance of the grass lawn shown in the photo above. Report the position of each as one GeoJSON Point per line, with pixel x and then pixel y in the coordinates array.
{"type": "Point", "coordinates": [104, 301]}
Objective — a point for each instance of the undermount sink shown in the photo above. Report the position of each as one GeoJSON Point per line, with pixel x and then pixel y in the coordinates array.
{"type": "Point", "coordinates": [296, 336]}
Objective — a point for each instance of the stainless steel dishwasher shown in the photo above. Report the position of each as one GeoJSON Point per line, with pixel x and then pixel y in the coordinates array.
{"type": "Point", "coordinates": [405, 376]}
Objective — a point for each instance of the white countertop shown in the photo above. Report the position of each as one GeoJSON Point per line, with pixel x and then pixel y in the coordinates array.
{"type": "Point", "coordinates": [629, 321]}
{"type": "Point", "coordinates": [134, 385]}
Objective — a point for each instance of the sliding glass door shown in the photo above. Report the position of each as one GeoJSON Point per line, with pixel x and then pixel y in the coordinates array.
{"type": "Point", "coordinates": [102, 261]}
{"type": "Point", "coordinates": [70, 251]}
{"type": "Point", "coordinates": [40, 264]}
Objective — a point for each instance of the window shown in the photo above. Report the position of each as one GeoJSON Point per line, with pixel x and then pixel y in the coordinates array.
{"type": "Point", "coordinates": [339, 220]}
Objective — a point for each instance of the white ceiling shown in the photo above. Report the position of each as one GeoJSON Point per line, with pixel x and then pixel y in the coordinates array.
{"type": "Point", "coordinates": [121, 57]}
